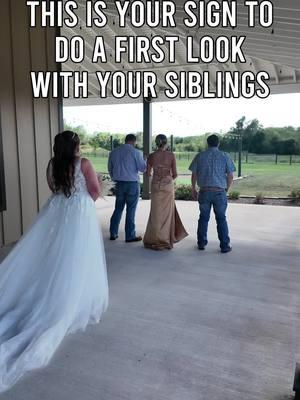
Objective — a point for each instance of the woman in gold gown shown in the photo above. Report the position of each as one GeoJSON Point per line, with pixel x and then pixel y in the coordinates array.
{"type": "Point", "coordinates": [164, 226]}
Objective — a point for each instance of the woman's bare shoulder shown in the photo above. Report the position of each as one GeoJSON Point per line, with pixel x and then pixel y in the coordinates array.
{"type": "Point", "coordinates": [85, 162]}
{"type": "Point", "coordinates": [86, 165]}
{"type": "Point", "coordinates": [171, 154]}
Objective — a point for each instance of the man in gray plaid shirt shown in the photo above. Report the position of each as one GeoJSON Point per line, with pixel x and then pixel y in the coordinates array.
{"type": "Point", "coordinates": [212, 170]}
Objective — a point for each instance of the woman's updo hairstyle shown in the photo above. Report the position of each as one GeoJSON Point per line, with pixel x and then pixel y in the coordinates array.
{"type": "Point", "coordinates": [161, 141]}
{"type": "Point", "coordinates": [63, 162]}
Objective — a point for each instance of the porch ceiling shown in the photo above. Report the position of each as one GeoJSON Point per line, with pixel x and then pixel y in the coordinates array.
{"type": "Point", "coordinates": [275, 49]}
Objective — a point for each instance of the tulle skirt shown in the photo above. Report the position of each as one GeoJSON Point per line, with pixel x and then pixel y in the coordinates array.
{"type": "Point", "coordinates": [52, 283]}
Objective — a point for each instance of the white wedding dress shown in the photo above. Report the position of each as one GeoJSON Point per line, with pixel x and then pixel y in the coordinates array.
{"type": "Point", "coordinates": [52, 283]}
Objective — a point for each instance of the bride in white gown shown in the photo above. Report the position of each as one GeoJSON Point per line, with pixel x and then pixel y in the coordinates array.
{"type": "Point", "coordinates": [54, 281]}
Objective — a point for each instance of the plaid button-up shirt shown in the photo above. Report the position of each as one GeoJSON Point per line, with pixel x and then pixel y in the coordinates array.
{"type": "Point", "coordinates": [212, 167]}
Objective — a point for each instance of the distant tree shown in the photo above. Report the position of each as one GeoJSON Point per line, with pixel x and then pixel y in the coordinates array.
{"type": "Point", "coordinates": [253, 136]}
{"type": "Point", "coordinates": [256, 139]}
{"type": "Point", "coordinates": [239, 126]}
{"type": "Point", "coordinates": [283, 140]}
{"type": "Point", "coordinates": [290, 147]}
{"type": "Point", "coordinates": [80, 130]}
{"type": "Point", "coordinates": [100, 140]}
{"type": "Point", "coordinates": [93, 142]}
{"type": "Point", "coordinates": [257, 144]}
{"type": "Point", "coordinates": [229, 141]}
{"type": "Point", "coordinates": [189, 147]}
{"type": "Point", "coordinates": [178, 140]}
{"type": "Point", "coordinates": [274, 145]}
{"type": "Point", "coordinates": [249, 131]}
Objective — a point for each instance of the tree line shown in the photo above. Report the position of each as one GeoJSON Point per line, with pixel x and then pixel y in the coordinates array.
{"type": "Point", "coordinates": [259, 140]}
{"type": "Point", "coordinates": [255, 139]}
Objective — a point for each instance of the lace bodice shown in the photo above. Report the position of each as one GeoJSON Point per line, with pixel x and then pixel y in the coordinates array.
{"type": "Point", "coordinates": [79, 179]}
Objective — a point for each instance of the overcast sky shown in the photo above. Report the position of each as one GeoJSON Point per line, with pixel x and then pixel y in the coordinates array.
{"type": "Point", "coordinates": [185, 118]}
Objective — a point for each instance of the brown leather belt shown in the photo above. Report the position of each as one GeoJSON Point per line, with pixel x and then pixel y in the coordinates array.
{"type": "Point", "coordinates": [211, 189]}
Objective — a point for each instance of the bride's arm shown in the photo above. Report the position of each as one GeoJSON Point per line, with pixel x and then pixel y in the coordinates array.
{"type": "Point", "coordinates": [174, 168]}
{"type": "Point", "coordinates": [91, 178]}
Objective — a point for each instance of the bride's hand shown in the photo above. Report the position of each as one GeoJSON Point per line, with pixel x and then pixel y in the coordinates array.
{"type": "Point", "coordinates": [106, 185]}
{"type": "Point", "coordinates": [99, 176]}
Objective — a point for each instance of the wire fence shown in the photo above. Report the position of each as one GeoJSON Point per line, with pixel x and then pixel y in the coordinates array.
{"type": "Point", "coordinates": [250, 158]}
{"type": "Point", "coordinates": [247, 158]}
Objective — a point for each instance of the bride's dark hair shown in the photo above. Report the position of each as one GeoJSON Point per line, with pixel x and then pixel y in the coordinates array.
{"type": "Point", "coordinates": [62, 165]}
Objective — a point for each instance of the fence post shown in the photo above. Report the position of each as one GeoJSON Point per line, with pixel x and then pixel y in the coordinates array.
{"type": "Point", "coordinates": [111, 143]}
{"type": "Point", "coordinates": [247, 157]}
{"type": "Point", "coordinates": [172, 143]}
{"type": "Point", "coordinates": [291, 159]}
{"type": "Point", "coordinates": [276, 159]}
{"type": "Point", "coordinates": [240, 144]}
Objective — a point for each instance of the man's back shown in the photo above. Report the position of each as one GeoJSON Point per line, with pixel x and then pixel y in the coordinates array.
{"type": "Point", "coordinates": [213, 171]}
{"type": "Point", "coordinates": [125, 162]}
{"type": "Point", "coordinates": [212, 167]}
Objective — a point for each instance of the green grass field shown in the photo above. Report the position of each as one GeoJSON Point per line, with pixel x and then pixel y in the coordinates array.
{"type": "Point", "coordinates": [99, 163]}
{"type": "Point", "coordinates": [267, 178]}
{"type": "Point", "coordinates": [270, 179]}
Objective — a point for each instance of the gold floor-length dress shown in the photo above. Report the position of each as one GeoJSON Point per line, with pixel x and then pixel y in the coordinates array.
{"type": "Point", "coordinates": [164, 226]}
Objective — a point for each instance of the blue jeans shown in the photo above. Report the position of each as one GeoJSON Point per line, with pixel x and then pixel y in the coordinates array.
{"type": "Point", "coordinates": [217, 200]}
{"type": "Point", "coordinates": [127, 193]}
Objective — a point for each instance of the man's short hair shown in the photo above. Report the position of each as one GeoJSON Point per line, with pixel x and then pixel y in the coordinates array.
{"type": "Point", "coordinates": [213, 140]}
{"type": "Point", "coordinates": [130, 138]}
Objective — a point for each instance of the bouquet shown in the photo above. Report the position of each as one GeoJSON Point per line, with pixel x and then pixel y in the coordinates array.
{"type": "Point", "coordinates": [106, 184]}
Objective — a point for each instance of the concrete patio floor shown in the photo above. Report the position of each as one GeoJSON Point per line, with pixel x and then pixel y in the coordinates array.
{"type": "Point", "coordinates": [185, 324]}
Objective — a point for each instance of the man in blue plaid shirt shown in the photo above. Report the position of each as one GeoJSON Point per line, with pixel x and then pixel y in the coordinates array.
{"type": "Point", "coordinates": [212, 170]}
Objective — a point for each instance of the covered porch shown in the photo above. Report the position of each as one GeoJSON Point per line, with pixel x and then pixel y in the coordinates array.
{"type": "Point", "coordinates": [182, 325]}
{"type": "Point", "coordinates": [28, 125]}
{"type": "Point", "coordinates": [185, 324]}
